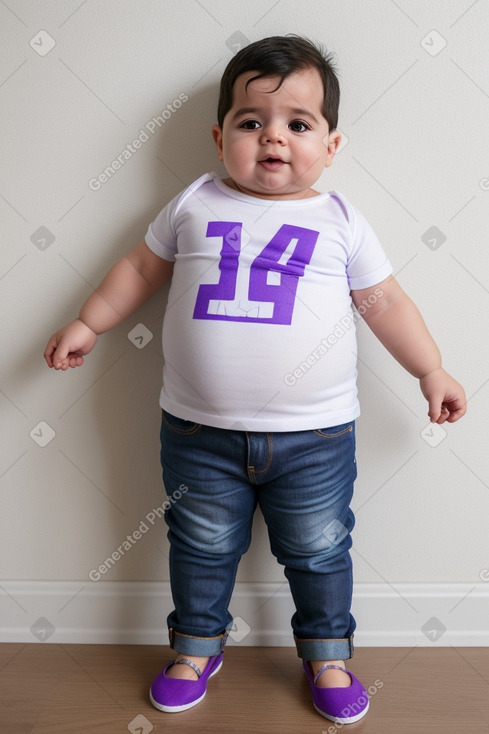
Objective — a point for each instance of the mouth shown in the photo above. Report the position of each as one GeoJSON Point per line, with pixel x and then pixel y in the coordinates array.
{"type": "Point", "coordinates": [271, 163]}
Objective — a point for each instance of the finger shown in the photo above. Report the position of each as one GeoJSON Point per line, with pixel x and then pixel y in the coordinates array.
{"type": "Point", "coordinates": [48, 352]}
{"type": "Point", "coordinates": [75, 361]}
{"type": "Point", "coordinates": [435, 410]}
{"type": "Point", "coordinates": [457, 407]}
{"type": "Point", "coordinates": [444, 415]}
{"type": "Point", "coordinates": [60, 355]}
{"type": "Point", "coordinates": [452, 411]}
{"type": "Point", "coordinates": [456, 414]}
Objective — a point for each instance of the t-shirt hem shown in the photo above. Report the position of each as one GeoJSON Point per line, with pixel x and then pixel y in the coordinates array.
{"type": "Point", "coordinates": [269, 425]}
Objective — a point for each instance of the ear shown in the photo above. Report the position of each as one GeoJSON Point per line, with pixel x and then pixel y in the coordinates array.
{"type": "Point", "coordinates": [332, 141]}
{"type": "Point", "coordinates": [217, 135]}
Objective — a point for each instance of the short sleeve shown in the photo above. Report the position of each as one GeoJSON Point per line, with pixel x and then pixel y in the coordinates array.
{"type": "Point", "coordinates": [161, 237]}
{"type": "Point", "coordinates": [367, 262]}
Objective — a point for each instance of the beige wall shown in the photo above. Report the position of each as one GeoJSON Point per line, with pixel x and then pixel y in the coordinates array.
{"type": "Point", "coordinates": [415, 115]}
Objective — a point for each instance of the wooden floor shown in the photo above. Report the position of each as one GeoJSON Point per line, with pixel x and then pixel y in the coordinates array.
{"type": "Point", "coordinates": [103, 689]}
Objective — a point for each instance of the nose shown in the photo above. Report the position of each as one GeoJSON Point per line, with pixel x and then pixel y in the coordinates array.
{"type": "Point", "coordinates": [272, 134]}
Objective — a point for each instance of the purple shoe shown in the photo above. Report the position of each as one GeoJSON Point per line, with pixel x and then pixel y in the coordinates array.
{"type": "Point", "coordinates": [341, 705]}
{"type": "Point", "coordinates": [174, 694]}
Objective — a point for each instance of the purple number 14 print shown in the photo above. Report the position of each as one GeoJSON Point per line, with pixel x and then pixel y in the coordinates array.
{"type": "Point", "coordinates": [265, 292]}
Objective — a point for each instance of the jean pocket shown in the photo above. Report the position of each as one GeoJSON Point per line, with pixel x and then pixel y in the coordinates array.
{"type": "Point", "coordinates": [179, 425]}
{"type": "Point", "coordinates": [335, 431]}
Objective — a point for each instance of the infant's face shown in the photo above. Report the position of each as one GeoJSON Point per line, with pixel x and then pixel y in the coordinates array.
{"type": "Point", "coordinates": [275, 144]}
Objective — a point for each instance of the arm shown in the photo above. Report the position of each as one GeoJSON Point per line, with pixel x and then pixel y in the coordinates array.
{"type": "Point", "coordinates": [127, 285]}
{"type": "Point", "coordinates": [397, 323]}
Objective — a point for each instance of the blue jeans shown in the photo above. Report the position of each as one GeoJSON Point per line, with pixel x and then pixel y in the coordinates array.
{"type": "Point", "coordinates": [303, 482]}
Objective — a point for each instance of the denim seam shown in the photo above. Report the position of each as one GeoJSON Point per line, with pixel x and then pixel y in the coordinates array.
{"type": "Point", "coordinates": [188, 432]}
{"type": "Point", "coordinates": [333, 435]}
{"type": "Point", "coordinates": [252, 472]}
{"type": "Point", "coordinates": [196, 637]}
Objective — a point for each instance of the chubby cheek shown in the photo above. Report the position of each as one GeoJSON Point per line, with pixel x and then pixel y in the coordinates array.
{"type": "Point", "coordinates": [236, 155]}
{"type": "Point", "coordinates": [313, 157]}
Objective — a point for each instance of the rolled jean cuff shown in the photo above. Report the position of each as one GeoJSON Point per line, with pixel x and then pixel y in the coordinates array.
{"type": "Point", "coordinates": [341, 649]}
{"type": "Point", "coordinates": [202, 647]}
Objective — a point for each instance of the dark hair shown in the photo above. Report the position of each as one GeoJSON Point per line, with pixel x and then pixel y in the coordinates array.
{"type": "Point", "coordinates": [281, 56]}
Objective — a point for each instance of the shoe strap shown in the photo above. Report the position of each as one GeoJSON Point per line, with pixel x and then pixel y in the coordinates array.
{"type": "Point", "coordinates": [325, 667]}
{"type": "Point", "coordinates": [189, 662]}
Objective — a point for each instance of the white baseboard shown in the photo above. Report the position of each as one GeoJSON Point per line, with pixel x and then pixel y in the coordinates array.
{"type": "Point", "coordinates": [120, 612]}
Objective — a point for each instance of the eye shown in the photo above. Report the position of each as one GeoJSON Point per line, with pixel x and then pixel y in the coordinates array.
{"type": "Point", "coordinates": [298, 127]}
{"type": "Point", "coordinates": [250, 125]}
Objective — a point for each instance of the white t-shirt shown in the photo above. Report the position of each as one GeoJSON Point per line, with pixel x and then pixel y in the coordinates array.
{"type": "Point", "coordinates": [259, 332]}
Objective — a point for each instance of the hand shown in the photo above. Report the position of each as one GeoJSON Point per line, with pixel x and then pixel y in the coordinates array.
{"type": "Point", "coordinates": [446, 398]}
{"type": "Point", "coordinates": [68, 345]}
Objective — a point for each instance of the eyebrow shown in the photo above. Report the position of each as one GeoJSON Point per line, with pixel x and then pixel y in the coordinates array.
{"type": "Point", "coordinates": [300, 111]}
